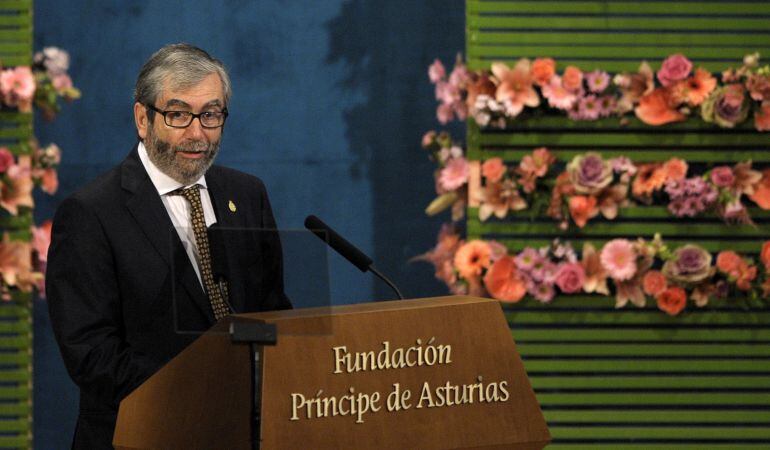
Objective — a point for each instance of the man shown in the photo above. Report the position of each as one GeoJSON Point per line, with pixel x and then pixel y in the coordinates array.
{"type": "Point", "coordinates": [133, 274]}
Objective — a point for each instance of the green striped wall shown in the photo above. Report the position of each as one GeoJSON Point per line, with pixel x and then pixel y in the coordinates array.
{"type": "Point", "coordinates": [633, 379]}
{"type": "Point", "coordinates": [16, 316]}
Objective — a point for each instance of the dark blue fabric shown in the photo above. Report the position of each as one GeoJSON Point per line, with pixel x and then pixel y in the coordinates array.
{"type": "Point", "coordinates": [330, 101]}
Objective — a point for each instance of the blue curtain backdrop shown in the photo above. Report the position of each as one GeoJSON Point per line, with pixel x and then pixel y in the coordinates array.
{"type": "Point", "coordinates": [330, 101]}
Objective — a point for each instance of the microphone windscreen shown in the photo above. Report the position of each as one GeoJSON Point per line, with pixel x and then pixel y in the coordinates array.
{"type": "Point", "coordinates": [338, 243]}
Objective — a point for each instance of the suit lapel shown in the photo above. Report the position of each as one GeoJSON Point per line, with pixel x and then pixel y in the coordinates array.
{"type": "Point", "coordinates": [146, 207]}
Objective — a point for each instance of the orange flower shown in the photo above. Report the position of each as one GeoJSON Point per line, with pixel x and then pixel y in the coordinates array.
{"type": "Point", "coordinates": [672, 300]}
{"type": "Point", "coordinates": [472, 258]}
{"type": "Point", "coordinates": [543, 69]}
{"type": "Point", "coordinates": [649, 178]}
{"type": "Point", "coordinates": [18, 192]}
{"type": "Point", "coordinates": [728, 261]}
{"type": "Point", "coordinates": [695, 89]}
{"type": "Point", "coordinates": [503, 281]}
{"type": "Point", "coordinates": [572, 79]}
{"type": "Point", "coordinates": [596, 276]}
{"type": "Point", "coordinates": [746, 275]}
{"type": "Point", "coordinates": [762, 117]}
{"type": "Point", "coordinates": [675, 169]}
{"type": "Point", "coordinates": [481, 86]}
{"type": "Point", "coordinates": [515, 86]}
{"type": "Point", "coordinates": [16, 263]}
{"type": "Point", "coordinates": [761, 195]}
{"type": "Point", "coordinates": [582, 208]}
{"type": "Point", "coordinates": [656, 108]}
{"type": "Point", "coordinates": [764, 256]}
{"type": "Point", "coordinates": [493, 169]}
{"type": "Point", "coordinates": [654, 282]}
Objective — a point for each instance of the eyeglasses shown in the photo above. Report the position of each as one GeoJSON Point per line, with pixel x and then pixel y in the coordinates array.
{"type": "Point", "coordinates": [183, 119]}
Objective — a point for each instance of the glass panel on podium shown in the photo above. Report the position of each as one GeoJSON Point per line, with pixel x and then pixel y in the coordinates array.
{"type": "Point", "coordinates": [252, 270]}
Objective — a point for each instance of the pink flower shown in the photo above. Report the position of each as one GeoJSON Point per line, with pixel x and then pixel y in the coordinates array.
{"type": "Point", "coordinates": [493, 169]}
{"type": "Point", "coordinates": [538, 163]}
{"type": "Point", "coordinates": [61, 82]}
{"type": "Point", "coordinates": [444, 113]}
{"type": "Point", "coordinates": [428, 139]}
{"type": "Point", "coordinates": [722, 176]}
{"type": "Point", "coordinates": [447, 93]}
{"type": "Point", "coordinates": [618, 258]}
{"type": "Point", "coordinates": [557, 95]}
{"type": "Point", "coordinates": [543, 292]}
{"type": "Point", "coordinates": [675, 68]}
{"type": "Point", "coordinates": [515, 88]}
{"type": "Point", "coordinates": [589, 108]}
{"type": "Point", "coordinates": [41, 240]}
{"type": "Point", "coordinates": [570, 277]}
{"type": "Point", "coordinates": [436, 71]}
{"type": "Point", "coordinates": [454, 174]}
{"type": "Point", "coordinates": [18, 87]}
{"type": "Point", "coordinates": [6, 159]}
{"type": "Point", "coordinates": [460, 75]}
{"type": "Point", "coordinates": [598, 80]}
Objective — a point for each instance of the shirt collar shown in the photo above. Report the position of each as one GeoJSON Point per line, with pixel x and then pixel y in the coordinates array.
{"type": "Point", "coordinates": [163, 183]}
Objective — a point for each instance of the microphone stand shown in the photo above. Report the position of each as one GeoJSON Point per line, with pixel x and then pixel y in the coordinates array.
{"type": "Point", "coordinates": [256, 334]}
{"type": "Point", "coordinates": [386, 280]}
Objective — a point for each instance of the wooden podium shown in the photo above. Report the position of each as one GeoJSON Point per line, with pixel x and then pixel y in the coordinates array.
{"type": "Point", "coordinates": [434, 373]}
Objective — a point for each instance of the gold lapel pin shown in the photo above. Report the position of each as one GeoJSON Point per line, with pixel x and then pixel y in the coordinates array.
{"type": "Point", "coordinates": [231, 205]}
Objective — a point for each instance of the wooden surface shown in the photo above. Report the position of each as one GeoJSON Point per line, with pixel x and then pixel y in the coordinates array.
{"type": "Point", "coordinates": [186, 405]}
{"type": "Point", "coordinates": [199, 400]}
{"type": "Point", "coordinates": [482, 346]}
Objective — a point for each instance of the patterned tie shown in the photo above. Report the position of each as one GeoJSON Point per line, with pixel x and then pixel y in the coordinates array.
{"type": "Point", "coordinates": [193, 195]}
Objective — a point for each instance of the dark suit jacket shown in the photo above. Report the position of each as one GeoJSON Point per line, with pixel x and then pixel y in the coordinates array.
{"type": "Point", "coordinates": [120, 285]}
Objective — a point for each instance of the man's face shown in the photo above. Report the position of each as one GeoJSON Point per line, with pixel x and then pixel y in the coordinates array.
{"type": "Point", "coordinates": [185, 154]}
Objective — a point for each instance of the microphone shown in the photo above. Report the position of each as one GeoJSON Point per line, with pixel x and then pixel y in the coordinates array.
{"type": "Point", "coordinates": [346, 249]}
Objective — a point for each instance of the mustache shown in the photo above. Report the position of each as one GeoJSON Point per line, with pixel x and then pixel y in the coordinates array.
{"type": "Point", "coordinates": [194, 147]}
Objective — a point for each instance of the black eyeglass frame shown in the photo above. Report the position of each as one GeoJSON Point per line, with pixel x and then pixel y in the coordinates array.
{"type": "Point", "coordinates": [193, 116]}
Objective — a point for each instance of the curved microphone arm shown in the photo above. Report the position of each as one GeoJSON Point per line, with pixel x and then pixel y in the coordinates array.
{"type": "Point", "coordinates": [386, 280]}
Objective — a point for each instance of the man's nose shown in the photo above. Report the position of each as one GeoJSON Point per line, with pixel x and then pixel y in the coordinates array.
{"type": "Point", "coordinates": [195, 129]}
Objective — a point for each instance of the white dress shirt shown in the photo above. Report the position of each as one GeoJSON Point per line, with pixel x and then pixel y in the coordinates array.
{"type": "Point", "coordinates": [178, 207]}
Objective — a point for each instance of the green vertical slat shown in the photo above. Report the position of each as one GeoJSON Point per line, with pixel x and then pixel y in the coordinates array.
{"type": "Point", "coordinates": [16, 315]}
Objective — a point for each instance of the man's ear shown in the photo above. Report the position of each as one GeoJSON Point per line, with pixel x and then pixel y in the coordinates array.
{"type": "Point", "coordinates": [141, 120]}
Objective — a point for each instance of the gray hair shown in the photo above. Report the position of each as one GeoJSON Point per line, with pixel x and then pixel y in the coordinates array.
{"type": "Point", "coordinates": [183, 66]}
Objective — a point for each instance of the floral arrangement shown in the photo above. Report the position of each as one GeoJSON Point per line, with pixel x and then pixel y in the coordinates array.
{"type": "Point", "coordinates": [496, 97]}
{"type": "Point", "coordinates": [590, 185]}
{"type": "Point", "coordinates": [636, 271]}
{"type": "Point", "coordinates": [22, 260]}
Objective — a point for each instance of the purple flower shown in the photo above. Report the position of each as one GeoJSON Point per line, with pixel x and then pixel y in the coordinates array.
{"type": "Point", "coordinates": [690, 196]}
{"type": "Point", "coordinates": [689, 264]}
{"type": "Point", "coordinates": [597, 80]}
{"type": "Point", "coordinates": [726, 106]}
{"type": "Point", "coordinates": [589, 173]}
{"type": "Point", "coordinates": [623, 164]}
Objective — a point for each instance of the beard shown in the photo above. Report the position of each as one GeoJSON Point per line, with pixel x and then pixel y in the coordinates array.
{"type": "Point", "coordinates": [181, 169]}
